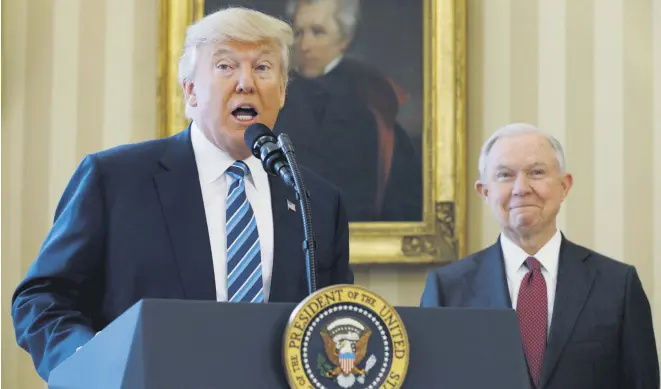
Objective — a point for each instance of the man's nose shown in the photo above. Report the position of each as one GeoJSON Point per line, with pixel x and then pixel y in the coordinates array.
{"type": "Point", "coordinates": [304, 42]}
{"type": "Point", "coordinates": [245, 83]}
{"type": "Point", "coordinates": [521, 185]}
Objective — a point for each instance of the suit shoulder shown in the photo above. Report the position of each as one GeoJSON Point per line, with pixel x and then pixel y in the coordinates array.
{"type": "Point", "coordinates": [461, 268]}
{"type": "Point", "coordinates": [132, 152]}
{"type": "Point", "coordinates": [137, 159]}
{"type": "Point", "coordinates": [609, 268]}
{"type": "Point", "coordinates": [607, 265]}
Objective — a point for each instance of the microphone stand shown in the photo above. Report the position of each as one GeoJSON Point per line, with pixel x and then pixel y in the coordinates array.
{"type": "Point", "coordinates": [309, 244]}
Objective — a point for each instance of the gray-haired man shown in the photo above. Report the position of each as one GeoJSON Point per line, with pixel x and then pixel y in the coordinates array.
{"type": "Point", "coordinates": [585, 320]}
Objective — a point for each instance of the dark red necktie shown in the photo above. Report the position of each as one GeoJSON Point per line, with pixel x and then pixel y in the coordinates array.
{"type": "Point", "coordinates": [532, 310]}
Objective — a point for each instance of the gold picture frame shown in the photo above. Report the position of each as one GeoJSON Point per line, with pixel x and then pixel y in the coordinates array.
{"type": "Point", "coordinates": [440, 237]}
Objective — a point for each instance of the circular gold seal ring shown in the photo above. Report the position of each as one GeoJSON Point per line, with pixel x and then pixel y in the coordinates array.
{"type": "Point", "coordinates": [345, 336]}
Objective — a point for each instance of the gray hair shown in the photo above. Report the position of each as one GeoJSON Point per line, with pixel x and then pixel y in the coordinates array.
{"type": "Point", "coordinates": [237, 24]}
{"type": "Point", "coordinates": [515, 129]}
{"type": "Point", "coordinates": [346, 15]}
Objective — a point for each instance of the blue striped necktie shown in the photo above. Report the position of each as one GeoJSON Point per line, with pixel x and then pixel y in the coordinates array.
{"type": "Point", "coordinates": [244, 264]}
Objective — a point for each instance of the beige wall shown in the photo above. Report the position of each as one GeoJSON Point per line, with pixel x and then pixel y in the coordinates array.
{"type": "Point", "coordinates": [80, 76]}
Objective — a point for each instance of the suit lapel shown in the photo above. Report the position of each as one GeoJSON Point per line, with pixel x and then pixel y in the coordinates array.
{"type": "Point", "coordinates": [180, 195]}
{"type": "Point", "coordinates": [575, 279]}
{"type": "Point", "coordinates": [288, 256]}
{"type": "Point", "coordinates": [490, 282]}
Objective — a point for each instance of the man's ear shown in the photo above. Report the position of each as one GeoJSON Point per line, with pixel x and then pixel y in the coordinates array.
{"type": "Point", "coordinates": [481, 189]}
{"type": "Point", "coordinates": [189, 93]}
{"type": "Point", "coordinates": [567, 182]}
{"type": "Point", "coordinates": [344, 44]}
{"type": "Point", "coordinates": [283, 96]}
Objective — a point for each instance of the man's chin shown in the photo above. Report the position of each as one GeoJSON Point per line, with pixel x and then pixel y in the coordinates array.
{"type": "Point", "coordinates": [239, 152]}
{"type": "Point", "coordinates": [525, 223]}
{"type": "Point", "coordinates": [309, 72]}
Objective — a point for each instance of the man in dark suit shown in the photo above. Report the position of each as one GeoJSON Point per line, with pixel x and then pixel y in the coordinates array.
{"type": "Point", "coordinates": [585, 320]}
{"type": "Point", "coordinates": [192, 216]}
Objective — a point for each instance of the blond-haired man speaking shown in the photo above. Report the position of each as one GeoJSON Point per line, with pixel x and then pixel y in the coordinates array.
{"type": "Point", "coordinates": [192, 216]}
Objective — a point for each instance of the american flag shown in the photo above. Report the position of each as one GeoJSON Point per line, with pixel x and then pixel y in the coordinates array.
{"type": "Point", "coordinates": [291, 206]}
{"type": "Point", "coordinates": [346, 362]}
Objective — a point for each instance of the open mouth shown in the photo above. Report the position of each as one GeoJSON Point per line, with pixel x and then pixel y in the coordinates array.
{"type": "Point", "coordinates": [245, 113]}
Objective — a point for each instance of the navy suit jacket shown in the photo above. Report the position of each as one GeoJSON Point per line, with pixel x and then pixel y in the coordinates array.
{"type": "Point", "coordinates": [131, 225]}
{"type": "Point", "coordinates": [601, 332]}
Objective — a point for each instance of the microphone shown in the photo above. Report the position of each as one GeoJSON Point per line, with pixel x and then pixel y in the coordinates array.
{"type": "Point", "coordinates": [309, 244]}
{"type": "Point", "coordinates": [263, 145]}
{"type": "Point", "coordinates": [278, 159]}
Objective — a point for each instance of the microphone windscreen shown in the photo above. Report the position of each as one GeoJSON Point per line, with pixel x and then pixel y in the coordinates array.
{"type": "Point", "coordinates": [254, 132]}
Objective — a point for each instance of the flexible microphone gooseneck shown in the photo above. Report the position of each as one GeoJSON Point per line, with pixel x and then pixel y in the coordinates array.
{"type": "Point", "coordinates": [309, 244]}
{"type": "Point", "coordinates": [278, 159]}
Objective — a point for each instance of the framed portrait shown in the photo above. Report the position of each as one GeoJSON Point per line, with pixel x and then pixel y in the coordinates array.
{"type": "Point", "coordinates": [375, 103]}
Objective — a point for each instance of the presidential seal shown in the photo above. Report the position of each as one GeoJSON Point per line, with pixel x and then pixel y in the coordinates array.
{"type": "Point", "coordinates": [345, 336]}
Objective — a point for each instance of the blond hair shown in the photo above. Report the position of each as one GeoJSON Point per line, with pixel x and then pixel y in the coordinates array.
{"type": "Point", "coordinates": [235, 24]}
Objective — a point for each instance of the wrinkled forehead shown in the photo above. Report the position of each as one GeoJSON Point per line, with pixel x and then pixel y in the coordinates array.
{"type": "Point", "coordinates": [522, 151]}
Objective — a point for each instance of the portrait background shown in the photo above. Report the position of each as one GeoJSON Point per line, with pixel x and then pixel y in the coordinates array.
{"type": "Point", "coordinates": [439, 237]}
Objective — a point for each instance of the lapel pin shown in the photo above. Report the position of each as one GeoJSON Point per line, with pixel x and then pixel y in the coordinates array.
{"type": "Point", "coordinates": [291, 206]}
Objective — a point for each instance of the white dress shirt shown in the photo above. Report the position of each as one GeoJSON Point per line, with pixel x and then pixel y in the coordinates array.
{"type": "Point", "coordinates": [332, 64]}
{"type": "Point", "coordinates": [516, 269]}
{"type": "Point", "coordinates": [211, 165]}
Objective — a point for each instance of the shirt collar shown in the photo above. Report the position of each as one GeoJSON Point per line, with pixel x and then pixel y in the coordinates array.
{"type": "Point", "coordinates": [548, 255]}
{"type": "Point", "coordinates": [332, 64]}
{"type": "Point", "coordinates": [212, 162]}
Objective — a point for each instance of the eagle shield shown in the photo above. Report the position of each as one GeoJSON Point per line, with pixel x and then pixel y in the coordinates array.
{"type": "Point", "coordinates": [345, 341]}
{"type": "Point", "coordinates": [347, 360]}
